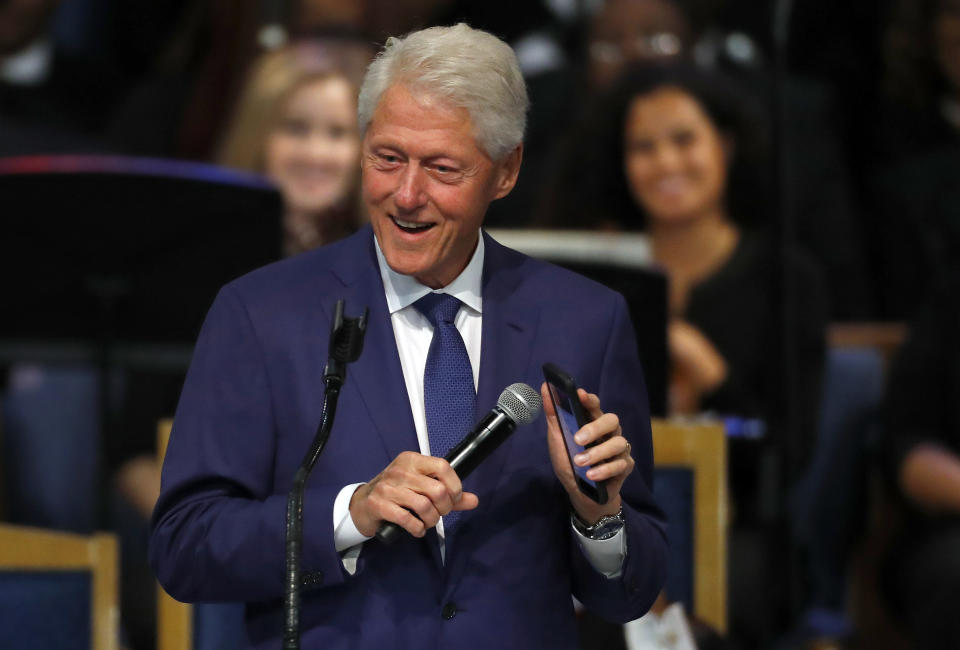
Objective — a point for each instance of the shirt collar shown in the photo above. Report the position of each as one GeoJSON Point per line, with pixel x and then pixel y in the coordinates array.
{"type": "Point", "coordinates": [404, 290]}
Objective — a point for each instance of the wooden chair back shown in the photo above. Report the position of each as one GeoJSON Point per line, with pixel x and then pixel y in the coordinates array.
{"type": "Point", "coordinates": [28, 554]}
{"type": "Point", "coordinates": [174, 619]}
{"type": "Point", "coordinates": [702, 450]}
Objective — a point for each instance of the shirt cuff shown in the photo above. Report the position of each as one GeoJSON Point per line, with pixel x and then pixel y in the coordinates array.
{"type": "Point", "coordinates": [604, 555]}
{"type": "Point", "coordinates": [345, 533]}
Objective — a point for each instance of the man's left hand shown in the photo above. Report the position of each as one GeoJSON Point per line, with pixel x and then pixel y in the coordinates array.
{"type": "Point", "coordinates": [609, 460]}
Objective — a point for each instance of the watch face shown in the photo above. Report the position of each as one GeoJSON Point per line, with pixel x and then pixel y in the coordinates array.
{"type": "Point", "coordinates": [607, 529]}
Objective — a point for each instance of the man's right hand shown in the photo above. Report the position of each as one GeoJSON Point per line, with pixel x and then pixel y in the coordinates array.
{"type": "Point", "coordinates": [412, 483]}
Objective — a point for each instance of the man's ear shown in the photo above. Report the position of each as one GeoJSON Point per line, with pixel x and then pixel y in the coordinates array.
{"type": "Point", "coordinates": [509, 169]}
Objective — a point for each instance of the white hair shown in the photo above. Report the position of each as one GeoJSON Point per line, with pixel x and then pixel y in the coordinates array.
{"type": "Point", "coordinates": [461, 66]}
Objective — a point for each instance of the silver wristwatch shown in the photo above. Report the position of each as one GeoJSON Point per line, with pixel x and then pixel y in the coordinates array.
{"type": "Point", "coordinates": [605, 528]}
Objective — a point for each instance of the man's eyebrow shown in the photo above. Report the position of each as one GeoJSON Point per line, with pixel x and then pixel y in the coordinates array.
{"type": "Point", "coordinates": [444, 156]}
{"type": "Point", "coordinates": [428, 157]}
{"type": "Point", "coordinates": [374, 142]}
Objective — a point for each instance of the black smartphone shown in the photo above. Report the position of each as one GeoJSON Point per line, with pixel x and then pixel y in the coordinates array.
{"type": "Point", "coordinates": [571, 416]}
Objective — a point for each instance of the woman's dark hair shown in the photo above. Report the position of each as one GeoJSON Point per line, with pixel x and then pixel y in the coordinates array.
{"type": "Point", "coordinates": [912, 73]}
{"type": "Point", "coordinates": [591, 190]}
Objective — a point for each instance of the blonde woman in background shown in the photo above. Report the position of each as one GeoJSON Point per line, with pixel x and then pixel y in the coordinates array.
{"type": "Point", "coordinates": [296, 123]}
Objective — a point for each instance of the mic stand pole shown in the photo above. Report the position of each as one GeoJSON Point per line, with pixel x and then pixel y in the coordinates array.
{"type": "Point", "coordinates": [346, 342]}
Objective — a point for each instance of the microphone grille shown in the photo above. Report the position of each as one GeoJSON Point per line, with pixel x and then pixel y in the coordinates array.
{"type": "Point", "coordinates": [520, 402]}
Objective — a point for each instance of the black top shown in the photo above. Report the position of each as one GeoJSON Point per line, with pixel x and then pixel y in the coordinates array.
{"type": "Point", "coordinates": [739, 309]}
{"type": "Point", "coordinates": [63, 113]}
{"type": "Point", "coordinates": [917, 227]}
{"type": "Point", "coordinates": [923, 393]}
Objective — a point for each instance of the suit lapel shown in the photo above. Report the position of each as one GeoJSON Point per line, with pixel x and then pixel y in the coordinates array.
{"type": "Point", "coordinates": [377, 375]}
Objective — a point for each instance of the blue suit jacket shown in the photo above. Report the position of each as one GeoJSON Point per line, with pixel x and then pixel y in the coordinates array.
{"type": "Point", "coordinates": [249, 409]}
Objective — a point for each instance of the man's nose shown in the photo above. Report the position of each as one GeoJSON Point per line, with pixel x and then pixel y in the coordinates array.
{"type": "Point", "coordinates": [410, 195]}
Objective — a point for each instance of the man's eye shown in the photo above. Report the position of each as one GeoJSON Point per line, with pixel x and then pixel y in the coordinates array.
{"type": "Point", "coordinates": [446, 173]}
{"type": "Point", "coordinates": [641, 146]}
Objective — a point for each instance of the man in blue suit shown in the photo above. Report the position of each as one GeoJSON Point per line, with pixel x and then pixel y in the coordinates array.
{"type": "Point", "coordinates": [442, 113]}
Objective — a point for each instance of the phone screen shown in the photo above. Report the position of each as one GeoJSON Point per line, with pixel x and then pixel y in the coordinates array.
{"type": "Point", "coordinates": [569, 427]}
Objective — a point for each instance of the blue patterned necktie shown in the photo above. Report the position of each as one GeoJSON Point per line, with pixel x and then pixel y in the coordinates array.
{"type": "Point", "coordinates": [448, 392]}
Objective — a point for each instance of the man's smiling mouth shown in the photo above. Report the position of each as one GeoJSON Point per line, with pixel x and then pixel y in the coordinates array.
{"type": "Point", "coordinates": [411, 226]}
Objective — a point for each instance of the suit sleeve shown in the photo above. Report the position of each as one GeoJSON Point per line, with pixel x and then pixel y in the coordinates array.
{"type": "Point", "coordinates": [218, 527]}
{"type": "Point", "coordinates": [622, 391]}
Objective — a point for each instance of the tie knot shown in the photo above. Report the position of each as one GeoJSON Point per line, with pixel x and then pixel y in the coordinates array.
{"type": "Point", "coordinates": [438, 307]}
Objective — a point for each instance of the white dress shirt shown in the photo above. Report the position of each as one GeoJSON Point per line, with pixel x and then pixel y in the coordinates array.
{"type": "Point", "coordinates": [413, 334]}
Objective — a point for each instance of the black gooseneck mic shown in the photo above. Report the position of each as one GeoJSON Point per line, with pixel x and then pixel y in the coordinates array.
{"type": "Point", "coordinates": [346, 343]}
{"type": "Point", "coordinates": [518, 405]}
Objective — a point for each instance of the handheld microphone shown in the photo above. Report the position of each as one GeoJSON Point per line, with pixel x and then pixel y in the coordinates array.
{"type": "Point", "coordinates": [518, 404]}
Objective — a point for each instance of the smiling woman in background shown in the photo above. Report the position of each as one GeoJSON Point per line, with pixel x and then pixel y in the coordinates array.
{"type": "Point", "coordinates": [296, 123]}
{"type": "Point", "coordinates": [678, 153]}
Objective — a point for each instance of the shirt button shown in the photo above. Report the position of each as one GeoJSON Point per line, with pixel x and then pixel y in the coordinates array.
{"type": "Point", "coordinates": [449, 611]}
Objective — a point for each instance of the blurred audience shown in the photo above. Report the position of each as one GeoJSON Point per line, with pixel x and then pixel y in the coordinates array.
{"type": "Point", "coordinates": [915, 194]}
{"type": "Point", "coordinates": [922, 78]}
{"type": "Point", "coordinates": [296, 122]}
{"type": "Point", "coordinates": [676, 152]}
{"type": "Point", "coordinates": [50, 100]}
{"type": "Point", "coordinates": [627, 32]}
{"type": "Point", "coordinates": [922, 445]}
{"type": "Point", "coordinates": [200, 74]}
{"type": "Point", "coordinates": [195, 80]}
{"type": "Point", "coordinates": [619, 33]}
{"type": "Point", "coordinates": [819, 199]}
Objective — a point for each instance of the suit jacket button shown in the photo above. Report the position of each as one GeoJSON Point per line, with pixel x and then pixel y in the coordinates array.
{"type": "Point", "coordinates": [312, 578]}
{"type": "Point", "coordinates": [449, 611]}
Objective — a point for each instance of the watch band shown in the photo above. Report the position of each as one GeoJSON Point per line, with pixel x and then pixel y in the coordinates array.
{"type": "Point", "coordinates": [605, 527]}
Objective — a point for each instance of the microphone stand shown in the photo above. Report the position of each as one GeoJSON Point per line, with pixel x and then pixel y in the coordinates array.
{"type": "Point", "coordinates": [346, 343]}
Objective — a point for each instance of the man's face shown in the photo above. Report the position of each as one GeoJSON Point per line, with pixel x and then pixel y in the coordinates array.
{"type": "Point", "coordinates": [427, 184]}
{"type": "Point", "coordinates": [630, 31]}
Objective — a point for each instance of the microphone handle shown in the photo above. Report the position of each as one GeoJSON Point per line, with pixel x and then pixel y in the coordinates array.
{"type": "Point", "coordinates": [492, 430]}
